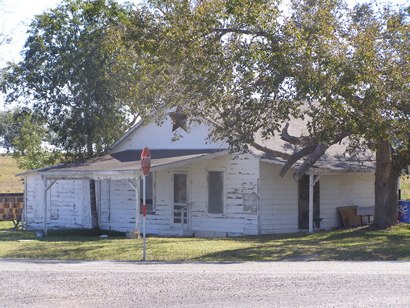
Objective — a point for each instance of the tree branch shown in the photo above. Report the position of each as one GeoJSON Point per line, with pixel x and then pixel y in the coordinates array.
{"type": "Point", "coordinates": [224, 31]}
{"type": "Point", "coordinates": [296, 156]}
{"type": "Point", "coordinates": [311, 160]}
{"type": "Point", "coordinates": [311, 147]}
{"type": "Point", "coordinates": [304, 141]}
{"type": "Point", "coordinates": [288, 138]}
{"type": "Point", "coordinates": [270, 152]}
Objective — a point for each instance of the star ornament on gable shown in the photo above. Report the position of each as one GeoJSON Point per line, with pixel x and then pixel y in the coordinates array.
{"type": "Point", "coordinates": [179, 119]}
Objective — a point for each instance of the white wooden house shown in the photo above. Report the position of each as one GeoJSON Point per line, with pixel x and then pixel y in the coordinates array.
{"type": "Point", "coordinates": [196, 187]}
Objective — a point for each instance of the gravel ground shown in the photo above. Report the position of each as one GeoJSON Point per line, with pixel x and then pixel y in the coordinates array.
{"type": "Point", "coordinates": [249, 284]}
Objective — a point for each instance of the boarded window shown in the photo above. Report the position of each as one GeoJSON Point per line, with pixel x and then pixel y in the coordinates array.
{"type": "Point", "coordinates": [215, 192]}
{"type": "Point", "coordinates": [149, 197]}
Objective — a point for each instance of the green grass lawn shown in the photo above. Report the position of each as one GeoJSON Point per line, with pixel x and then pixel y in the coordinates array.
{"type": "Point", "coordinates": [351, 244]}
{"type": "Point", "coordinates": [9, 183]}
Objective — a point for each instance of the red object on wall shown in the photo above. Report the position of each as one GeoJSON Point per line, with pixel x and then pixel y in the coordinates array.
{"type": "Point", "coordinates": [145, 161]}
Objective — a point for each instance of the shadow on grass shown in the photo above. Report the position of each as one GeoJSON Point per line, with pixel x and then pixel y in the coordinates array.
{"type": "Point", "coordinates": [59, 235]}
{"type": "Point", "coordinates": [361, 244]}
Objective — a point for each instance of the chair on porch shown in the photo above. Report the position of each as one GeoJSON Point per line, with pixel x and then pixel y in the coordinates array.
{"type": "Point", "coordinates": [318, 224]}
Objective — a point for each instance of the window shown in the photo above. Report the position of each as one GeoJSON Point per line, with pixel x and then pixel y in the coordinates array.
{"type": "Point", "coordinates": [180, 198]}
{"type": "Point", "coordinates": [215, 192]}
{"type": "Point", "coordinates": [149, 197]}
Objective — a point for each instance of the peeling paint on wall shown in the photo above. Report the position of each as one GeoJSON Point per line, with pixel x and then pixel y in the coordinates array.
{"type": "Point", "coordinates": [250, 203]}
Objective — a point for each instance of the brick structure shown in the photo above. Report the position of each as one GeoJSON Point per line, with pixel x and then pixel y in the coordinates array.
{"type": "Point", "coordinates": [11, 206]}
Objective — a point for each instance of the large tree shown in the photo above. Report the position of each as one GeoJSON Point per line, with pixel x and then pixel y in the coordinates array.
{"type": "Point", "coordinates": [8, 130]}
{"type": "Point", "coordinates": [248, 67]}
{"type": "Point", "coordinates": [354, 66]}
{"type": "Point", "coordinates": [65, 75]}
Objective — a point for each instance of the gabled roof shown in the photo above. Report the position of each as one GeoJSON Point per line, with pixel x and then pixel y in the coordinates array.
{"type": "Point", "coordinates": [126, 164]}
{"type": "Point", "coordinates": [127, 134]}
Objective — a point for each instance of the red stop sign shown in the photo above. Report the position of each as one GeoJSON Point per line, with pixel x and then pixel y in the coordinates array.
{"type": "Point", "coordinates": [145, 161]}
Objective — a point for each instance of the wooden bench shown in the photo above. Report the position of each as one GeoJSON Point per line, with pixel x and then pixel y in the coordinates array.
{"type": "Point", "coordinates": [352, 216]}
{"type": "Point", "coordinates": [365, 211]}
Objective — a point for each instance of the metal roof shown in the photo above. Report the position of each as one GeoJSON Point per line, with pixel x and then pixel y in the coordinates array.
{"type": "Point", "coordinates": [126, 164]}
{"type": "Point", "coordinates": [336, 158]}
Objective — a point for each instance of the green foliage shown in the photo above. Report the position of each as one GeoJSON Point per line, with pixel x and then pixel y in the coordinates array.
{"type": "Point", "coordinates": [248, 68]}
{"type": "Point", "coordinates": [29, 150]}
{"type": "Point", "coordinates": [8, 130]}
{"type": "Point", "coordinates": [26, 134]}
{"type": "Point", "coordinates": [66, 75]}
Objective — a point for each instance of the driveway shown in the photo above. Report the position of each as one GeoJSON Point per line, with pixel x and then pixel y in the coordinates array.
{"type": "Point", "coordinates": [249, 284]}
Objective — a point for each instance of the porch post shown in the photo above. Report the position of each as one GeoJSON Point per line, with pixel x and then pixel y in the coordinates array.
{"type": "Point", "coordinates": [45, 207]}
{"type": "Point", "coordinates": [144, 244]}
{"type": "Point", "coordinates": [46, 188]}
{"type": "Point", "coordinates": [109, 203]}
{"type": "Point", "coordinates": [137, 204]}
{"type": "Point", "coordinates": [137, 207]}
{"type": "Point", "coordinates": [24, 214]}
{"type": "Point", "coordinates": [311, 185]}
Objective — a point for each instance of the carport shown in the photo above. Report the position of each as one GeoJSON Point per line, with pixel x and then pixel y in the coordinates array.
{"type": "Point", "coordinates": [123, 165]}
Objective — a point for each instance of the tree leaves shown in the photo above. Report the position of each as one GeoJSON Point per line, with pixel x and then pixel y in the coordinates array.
{"type": "Point", "coordinates": [66, 75]}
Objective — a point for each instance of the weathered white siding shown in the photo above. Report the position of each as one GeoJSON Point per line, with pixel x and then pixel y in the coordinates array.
{"type": "Point", "coordinates": [279, 198]}
{"type": "Point", "coordinates": [116, 205]}
{"type": "Point", "coordinates": [118, 210]}
{"type": "Point", "coordinates": [241, 203]}
{"type": "Point", "coordinates": [143, 137]}
{"type": "Point", "coordinates": [68, 204]}
{"type": "Point", "coordinates": [344, 190]}
{"type": "Point", "coordinates": [278, 201]}
{"type": "Point", "coordinates": [116, 200]}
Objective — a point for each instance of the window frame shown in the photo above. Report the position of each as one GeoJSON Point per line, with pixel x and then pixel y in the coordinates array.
{"type": "Point", "coordinates": [188, 195]}
{"type": "Point", "coordinates": [223, 171]}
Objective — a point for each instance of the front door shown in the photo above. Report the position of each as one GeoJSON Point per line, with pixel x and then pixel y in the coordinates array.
{"type": "Point", "coordinates": [180, 199]}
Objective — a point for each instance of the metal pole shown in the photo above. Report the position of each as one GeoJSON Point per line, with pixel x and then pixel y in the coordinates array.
{"type": "Point", "coordinates": [137, 206]}
{"type": "Point", "coordinates": [24, 218]}
{"type": "Point", "coordinates": [311, 185]}
{"type": "Point", "coordinates": [144, 253]}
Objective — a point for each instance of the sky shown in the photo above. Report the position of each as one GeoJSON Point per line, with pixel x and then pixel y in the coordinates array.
{"type": "Point", "coordinates": [16, 15]}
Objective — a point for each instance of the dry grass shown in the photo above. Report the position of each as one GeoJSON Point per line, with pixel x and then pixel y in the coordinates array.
{"type": "Point", "coordinates": [9, 183]}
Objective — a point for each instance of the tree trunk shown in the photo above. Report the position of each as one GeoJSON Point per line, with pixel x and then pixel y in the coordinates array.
{"type": "Point", "coordinates": [90, 153]}
{"type": "Point", "coordinates": [386, 187]}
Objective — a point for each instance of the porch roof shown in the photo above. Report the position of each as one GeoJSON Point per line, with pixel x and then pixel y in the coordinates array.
{"type": "Point", "coordinates": [329, 166]}
{"type": "Point", "coordinates": [336, 160]}
{"type": "Point", "coordinates": [125, 164]}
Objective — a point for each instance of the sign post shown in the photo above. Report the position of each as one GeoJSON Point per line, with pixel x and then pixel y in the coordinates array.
{"type": "Point", "coordinates": [145, 166]}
